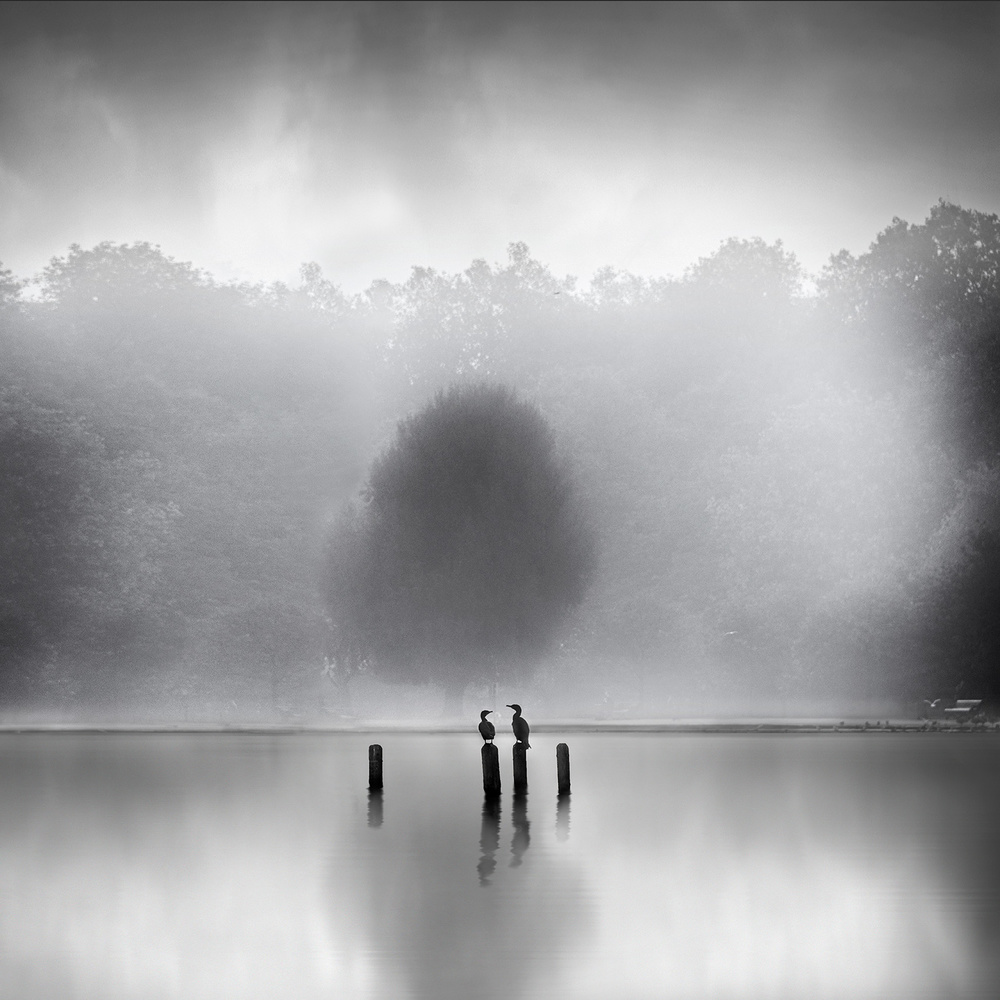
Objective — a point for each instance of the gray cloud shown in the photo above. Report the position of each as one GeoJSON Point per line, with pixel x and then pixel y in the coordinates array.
{"type": "Point", "coordinates": [375, 136]}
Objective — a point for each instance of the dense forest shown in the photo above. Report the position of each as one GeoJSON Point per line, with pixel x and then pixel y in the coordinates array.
{"type": "Point", "coordinates": [793, 482]}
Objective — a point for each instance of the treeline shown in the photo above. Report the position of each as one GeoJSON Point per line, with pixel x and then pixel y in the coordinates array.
{"type": "Point", "coordinates": [795, 490]}
{"type": "Point", "coordinates": [170, 449]}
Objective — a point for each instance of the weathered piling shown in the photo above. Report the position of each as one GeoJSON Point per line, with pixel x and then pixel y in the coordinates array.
{"type": "Point", "coordinates": [375, 766]}
{"type": "Point", "coordinates": [520, 767]}
{"type": "Point", "coordinates": [562, 768]}
{"type": "Point", "coordinates": [491, 771]}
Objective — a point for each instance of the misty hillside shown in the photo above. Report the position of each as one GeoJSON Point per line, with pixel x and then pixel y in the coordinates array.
{"type": "Point", "coordinates": [792, 484]}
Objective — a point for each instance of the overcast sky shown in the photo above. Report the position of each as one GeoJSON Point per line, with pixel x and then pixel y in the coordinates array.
{"type": "Point", "coordinates": [370, 137]}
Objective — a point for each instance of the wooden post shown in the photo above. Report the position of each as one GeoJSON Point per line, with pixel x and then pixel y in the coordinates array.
{"type": "Point", "coordinates": [375, 766]}
{"type": "Point", "coordinates": [491, 771]}
{"type": "Point", "coordinates": [520, 767]}
{"type": "Point", "coordinates": [562, 768]}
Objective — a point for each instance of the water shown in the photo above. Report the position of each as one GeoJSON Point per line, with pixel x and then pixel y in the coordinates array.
{"type": "Point", "coordinates": [258, 866]}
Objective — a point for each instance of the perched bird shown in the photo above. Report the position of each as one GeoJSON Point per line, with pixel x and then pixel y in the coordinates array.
{"type": "Point", "coordinates": [487, 729]}
{"type": "Point", "coordinates": [520, 726]}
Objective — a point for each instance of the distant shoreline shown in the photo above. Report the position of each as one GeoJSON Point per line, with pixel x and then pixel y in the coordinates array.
{"type": "Point", "coordinates": [721, 726]}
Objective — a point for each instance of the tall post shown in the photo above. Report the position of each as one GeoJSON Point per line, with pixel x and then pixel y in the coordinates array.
{"type": "Point", "coordinates": [520, 767]}
{"type": "Point", "coordinates": [491, 771]}
{"type": "Point", "coordinates": [562, 768]}
{"type": "Point", "coordinates": [375, 766]}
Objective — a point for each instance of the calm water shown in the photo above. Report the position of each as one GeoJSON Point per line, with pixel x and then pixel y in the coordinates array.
{"type": "Point", "coordinates": [237, 866]}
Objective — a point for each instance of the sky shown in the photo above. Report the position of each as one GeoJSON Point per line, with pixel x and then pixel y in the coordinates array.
{"type": "Point", "coordinates": [372, 137]}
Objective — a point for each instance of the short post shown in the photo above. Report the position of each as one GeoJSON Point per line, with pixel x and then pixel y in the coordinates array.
{"type": "Point", "coordinates": [520, 767]}
{"type": "Point", "coordinates": [491, 771]}
{"type": "Point", "coordinates": [375, 766]}
{"type": "Point", "coordinates": [562, 768]}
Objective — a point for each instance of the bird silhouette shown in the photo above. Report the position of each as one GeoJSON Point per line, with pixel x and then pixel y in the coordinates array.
{"type": "Point", "coordinates": [487, 729]}
{"type": "Point", "coordinates": [520, 726]}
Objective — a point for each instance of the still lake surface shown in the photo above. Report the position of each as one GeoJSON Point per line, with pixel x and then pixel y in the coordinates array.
{"type": "Point", "coordinates": [683, 865]}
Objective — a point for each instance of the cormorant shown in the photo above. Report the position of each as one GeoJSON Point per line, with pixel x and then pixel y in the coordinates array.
{"type": "Point", "coordinates": [520, 726]}
{"type": "Point", "coordinates": [487, 729]}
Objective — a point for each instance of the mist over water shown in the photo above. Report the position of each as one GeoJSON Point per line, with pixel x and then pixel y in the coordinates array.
{"type": "Point", "coordinates": [681, 865]}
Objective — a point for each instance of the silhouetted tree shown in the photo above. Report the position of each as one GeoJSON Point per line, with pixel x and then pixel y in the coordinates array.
{"type": "Point", "coordinates": [918, 317]}
{"type": "Point", "coordinates": [924, 302]}
{"type": "Point", "coordinates": [469, 550]}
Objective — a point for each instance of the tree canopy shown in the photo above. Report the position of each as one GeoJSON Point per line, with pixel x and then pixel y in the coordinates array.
{"type": "Point", "coordinates": [470, 547]}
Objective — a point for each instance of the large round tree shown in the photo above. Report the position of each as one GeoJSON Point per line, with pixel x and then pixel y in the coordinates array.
{"type": "Point", "coordinates": [468, 549]}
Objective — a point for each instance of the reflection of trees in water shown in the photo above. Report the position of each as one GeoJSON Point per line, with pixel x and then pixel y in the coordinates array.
{"type": "Point", "coordinates": [757, 862]}
{"type": "Point", "coordinates": [431, 927]}
{"type": "Point", "coordinates": [223, 832]}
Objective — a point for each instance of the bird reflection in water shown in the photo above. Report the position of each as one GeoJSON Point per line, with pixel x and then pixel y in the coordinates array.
{"type": "Point", "coordinates": [489, 840]}
{"type": "Point", "coordinates": [522, 837]}
{"type": "Point", "coordinates": [562, 817]}
{"type": "Point", "coordinates": [374, 807]}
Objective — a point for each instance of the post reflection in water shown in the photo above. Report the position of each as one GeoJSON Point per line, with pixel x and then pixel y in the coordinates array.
{"type": "Point", "coordinates": [374, 807]}
{"type": "Point", "coordinates": [489, 840]}
{"type": "Point", "coordinates": [423, 925]}
{"type": "Point", "coordinates": [522, 829]}
{"type": "Point", "coordinates": [562, 817]}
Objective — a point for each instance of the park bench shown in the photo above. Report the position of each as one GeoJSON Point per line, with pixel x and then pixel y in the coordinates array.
{"type": "Point", "coordinates": [961, 710]}
{"type": "Point", "coordinates": [964, 708]}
